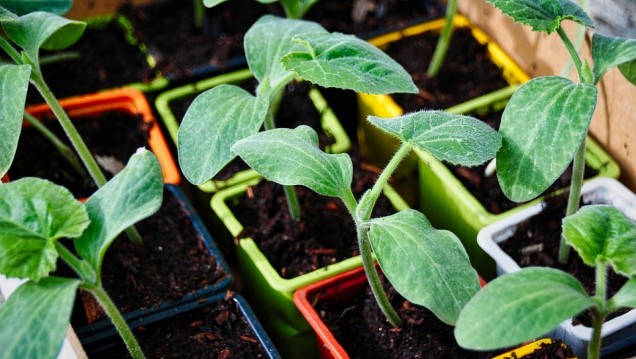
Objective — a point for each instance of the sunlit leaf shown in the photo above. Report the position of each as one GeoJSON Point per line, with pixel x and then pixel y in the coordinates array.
{"type": "Point", "coordinates": [609, 52]}
{"type": "Point", "coordinates": [543, 15]}
{"type": "Point", "coordinates": [14, 82]}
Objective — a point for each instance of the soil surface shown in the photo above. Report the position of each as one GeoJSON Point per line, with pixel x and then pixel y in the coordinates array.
{"type": "Point", "coordinates": [535, 242]}
{"type": "Point", "coordinates": [467, 72]}
{"type": "Point", "coordinates": [106, 60]}
{"type": "Point", "coordinates": [324, 235]}
{"type": "Point", "coordinates": [172, 262]}
{"type": "Point", "coordinates": [216, 331]}
{"type": "Point", "coordinates": [36, 157]}
{"type": "Point", "coordinates": [554, 350]}
{"type": "Point", "coordinates": [363, 331]}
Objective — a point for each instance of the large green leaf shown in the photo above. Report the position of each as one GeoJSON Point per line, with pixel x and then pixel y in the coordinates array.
{"type": "Point", "coordinates": [34, 214]}
{"type": "Point", "coordinates": [292, 157]}
{"type": "Point", "coordinates": [519, 306]}
{"type": "Point", "coordinates": [347, 62]}
{"type": "Point", "coordinates": [269, 39]}
{"type": "Point", "coordinates": [14, 82]}
{"type": "Point", "coordinates": [134, 194]}
{"type": "Point", "coordinates": [626, 296]}
{"type": "Point", "coordinates": [43, 30]}
{"type": "Point", "coordinates": [543, 15]}
{"type": "Point", "coordinates": [609, 52]}
{"type": "Point", "coordinates": [35, 318]}
{"type": "Point", "coordinates": [427, 266]}
{"type": "Point", "coordinates": [453, 138]}
{"type": "Point", "coordinates": [603, 232]}
{"type": "Point", "coordinates": [215, 120]}
{"type": "Point", "coordinates": [21, 7]}
{"type": "Point", "coordinates": [542, 126]}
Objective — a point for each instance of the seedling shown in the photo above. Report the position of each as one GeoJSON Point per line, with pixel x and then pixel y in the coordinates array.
{"type": "Point", "coordinates": [221, 116]}
{"type": "Point", "coordinates": [35, 216]}
{"type": "Point", "coordinates": [545, 123]}
{"type": "Point", "coordinates": [533, 301]}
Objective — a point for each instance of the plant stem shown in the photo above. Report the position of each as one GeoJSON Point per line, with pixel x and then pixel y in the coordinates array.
{"type": "Point", "coordinates": [444, 40]}
{"type": "Point", "coordinates": [75, 138]}
{"type": "Point", "coordinates": [118, 320]}
{"type": "Point", "coordinates": [84, 271]}
{"type": "Point", "coordinates": [15, 55]}
{"type": "Point", "coordinates": [55, 58]}
{"type": "Point", "coordinates": [374, 278]}
{"type": "Point", "coordinates": [576, 183]}
{"type": "Point", "coordinates": [573, 54]}
{"type": "Point", "coordinates": [64, 150]}
{"type": "Point", "coordinates": [598, 315]}
{"type": "Point", "coordinates": [199, 14]}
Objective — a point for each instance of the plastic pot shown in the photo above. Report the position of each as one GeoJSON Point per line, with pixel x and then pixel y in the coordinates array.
{"type": "Point", "coordinates": [262, 281]}
{"type": "Point", "coordinates": [128, 101]}
{"type": "Point", "coordinates": [110, 339]}
{"type": "Point", "coordinates": [101, 329]}
{"type": "Point", "coordinates": [618, 332]}
{"type": "Point", "coordinates": [329, 122]}
{"type": "Point", "coordinates": [525, 350]}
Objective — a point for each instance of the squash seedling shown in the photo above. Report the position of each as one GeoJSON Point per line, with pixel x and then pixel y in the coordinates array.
{"type": "Point", "coordinates": [221, 116]}
{"type": "Point", "coordinates": [546, 121]}
{"type": "Point", "coordinates": [533, 301]}
{"type": "Point", "coordinates": [35, 217]}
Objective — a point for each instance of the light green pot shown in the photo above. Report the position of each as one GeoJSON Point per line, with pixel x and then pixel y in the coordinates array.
{"type": "Point", "coordinates": [273, 295]}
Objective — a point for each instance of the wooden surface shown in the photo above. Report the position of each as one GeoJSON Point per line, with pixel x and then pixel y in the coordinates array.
{"type": "Point", "coordinates": [614, 122]}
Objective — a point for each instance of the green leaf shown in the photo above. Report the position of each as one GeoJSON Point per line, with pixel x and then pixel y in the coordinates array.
{"type": "Point", "coordinates": [213, 3]}
{"type": "Point", "coordinates": [21, 7]}
{"type": "Point", "coordinates": [457, 139]}
{"type": "Point", "coordinates": [134, 194]}
{"type": "Point", "coordinates": [628, 70]}
{"type": "Point", "coordinates": [215, 120]}
{"type": "Point", "coordinates": [609, 52]}
{"type": "Point", "coordinates": [427, 266]}
{"type": "Point", "coordinates": [347, 62]}
{"type": "Point", "coordinates": [519, 306]}
{"type": "Point", "coordinates": [626, 296]}
{"type": "Point", "coordinates": [542, 126]}
{"type": "Point", "coordinates": [543, 15]}
{"type": "Point", "coordinates": [43, 30]}
{"type": "Point", "coordinates": [35, 318]}
{"type": "Point", "coordinates": [7, 16]}
{"type": "Point", "coordinates": [292, 157]}
{"type": "Point", "coordinates": [297, 8]}
{"type": "Point", "coordinates": [34, 214]}
{"type": "Point", "coordinates": [14, 82]}
{"type": "Point", "coordinates": [603, 232]}
{"type": "Point", "coordinates": [269, 39]}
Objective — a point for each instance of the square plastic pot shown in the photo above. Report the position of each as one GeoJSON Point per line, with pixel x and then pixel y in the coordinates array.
{"type": "Point", "coordinates": [275, 293]}
{"type": "Point", "coordinates": [617, 333]}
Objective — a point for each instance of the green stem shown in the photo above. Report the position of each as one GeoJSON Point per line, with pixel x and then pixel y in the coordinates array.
{"type": "Point", "coordinates": [75, 138]}
{"type": "Point", "coordinates": [83, 270]}
{"type": "Point", "coordinates": [374, 278]}
{"type": "Point", "coordinates": [572, 50]}
{"type": "Point", "coordinates": [199, 14]}
{"type": "Point", "coordinates": [11, 51]}
{"type": "Point", "coordinates": [598, 315]}
{"type": "Point", "coordinates": [55, 58]}
{"type": "Point", "coordinates": [576, 183]}
{"type": "Point", "coordinates": [118, 320]}
{"type": "Point", "coordinates": [64, 150]}
{"type": "Point", "coordinates": [444, 40]}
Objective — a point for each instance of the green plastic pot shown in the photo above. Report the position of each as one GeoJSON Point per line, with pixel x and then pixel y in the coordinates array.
{"type": "Point", "coordinates": [377, 145]}
{"type": "Point", "coordinates": [329, 122]}
{"type": "Point", "coordinates": [275, 306]}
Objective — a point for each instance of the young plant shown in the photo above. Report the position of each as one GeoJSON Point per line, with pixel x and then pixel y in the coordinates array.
{"type": "Point", "coordinates": [533, 301]}
{"type": "Point", "coordinates": [294, 9]}
{"type": "Point", "coordinates": [429, 267]}
{"type": "Point", "coordinates": [221, 116]}
{"type": "Point", "coordinates": [546, 121]}
{"type": "Point", "coordinates": [35, 215]}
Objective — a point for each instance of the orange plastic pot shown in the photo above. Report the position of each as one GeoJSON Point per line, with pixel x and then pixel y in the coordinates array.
{"type": "Point", "coordinates": [126, 100]}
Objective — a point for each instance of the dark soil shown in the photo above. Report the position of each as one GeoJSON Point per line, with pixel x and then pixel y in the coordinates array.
{"type": "Point", "coordinates": [554, 350]}
{"type": "Point", "coordinates": [363, 331]}
{"type": "Point", "coordinates": [467, 72]}
{"type": "Point", "coordinates": [487, 189]}
{"type": "Point", "coordinates": [216, 331]}
{"type": "Point", "coordinates": [181, 49]}
{"type": "Point", "coordinates": [112, 134]}
{"type": "Point", "coordinates": [536, 243]}
{"type": "Point", "coordinates": [172, 262]}
{"type": "Point", "coordinates": [381, 15]}
{"type": "Point", "coordinates": [106, 60]}
{"type": "Point", "coordinates": [324, 235]}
